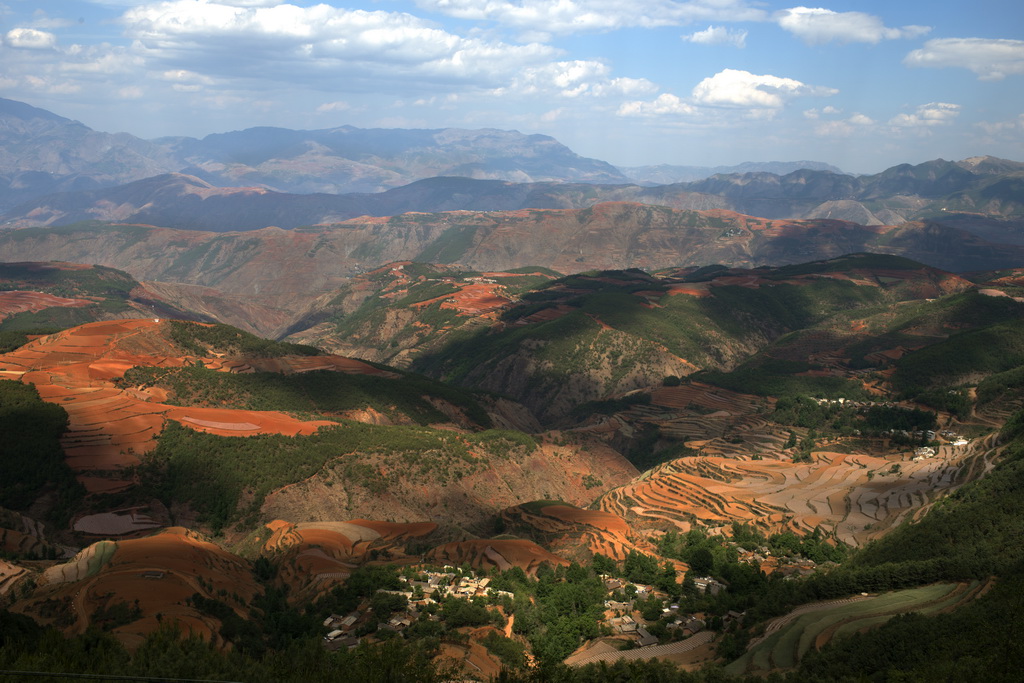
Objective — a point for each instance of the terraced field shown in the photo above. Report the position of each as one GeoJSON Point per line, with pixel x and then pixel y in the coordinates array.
{"type": "Point", "coordinates": [858, 496]}
{"type": "Point", "coordinates": [157, 575]}
{"type": "Point", "coordinates": [13, 302]}
{"type": "Point", "coordinates": [318, 554]}
{"type": "Point", "coordinates": [109, 427]}
{"type": "Point", "coordinates": [788, 638]}
{"type": "Point", "coordinates": [502, 554]}
{"type": "Point", "coordinates": [566, 528]}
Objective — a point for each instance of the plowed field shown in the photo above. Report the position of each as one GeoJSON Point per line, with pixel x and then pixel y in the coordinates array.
{"type": "Point", "coordinates": [110, 427]}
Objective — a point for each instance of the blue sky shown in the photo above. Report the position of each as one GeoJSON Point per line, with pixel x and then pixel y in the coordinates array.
{"type": "Point", "coordinates": [862, 85]}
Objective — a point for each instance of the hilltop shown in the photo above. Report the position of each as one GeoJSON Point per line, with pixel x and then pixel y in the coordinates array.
{"type": "Point", "coordinates": [267, 280]}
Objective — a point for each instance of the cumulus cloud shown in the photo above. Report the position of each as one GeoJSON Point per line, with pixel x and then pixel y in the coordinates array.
{"type": "Point", "coordinates": [926, 115]}
{"type": "Point", "coordinates": [575, 16]}
{"type": "Point", "coordinates": [718, 35]}
{"type": "Point", "coordinates": [30, 39]}
{"type": "Point", "coordinates": [737, 88]}
{"type": "Point", "coordinates": [816, 26]}
{"type": "Point", "coordinates": [843, 127]}
{"type": "Point", "coordinates": [320, 46]}
{"type": "Point", "coordinates": [574, 78]}
{"type": "Point", "coordinates": [664, 104]}
{"type": "Point", "coordinates": [990, 59]}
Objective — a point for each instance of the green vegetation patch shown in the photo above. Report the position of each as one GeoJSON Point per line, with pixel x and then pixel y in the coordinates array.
{"type": "Point", "coordinates": [31, 458]}
{"type": "Point", "coordinates": [203, 339]}
{"type": "Point", "coordinates": [318, 392]}
{"type": "Point", "coordinates": [94, 281]}
{"type": "Point", "coordinates": [986, 351]}
{"type": "Point", "coordinates": [215, 473]}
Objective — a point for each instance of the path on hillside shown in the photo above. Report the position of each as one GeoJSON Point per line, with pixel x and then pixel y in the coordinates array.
{"type": "Point", "coordinates": [691, 643]}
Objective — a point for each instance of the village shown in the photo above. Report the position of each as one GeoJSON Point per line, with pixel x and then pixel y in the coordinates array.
{"type": "Point", "coordinates": [629, 618]}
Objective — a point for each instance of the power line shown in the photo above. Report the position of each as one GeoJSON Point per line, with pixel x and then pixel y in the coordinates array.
{"type": "Point", "coordinates": [106, 677]}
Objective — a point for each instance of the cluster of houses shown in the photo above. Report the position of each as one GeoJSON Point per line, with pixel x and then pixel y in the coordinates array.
{"type": "Point", "coordinates": [620, 615]}
{"type": "Point", "coordinates": [428, 588]}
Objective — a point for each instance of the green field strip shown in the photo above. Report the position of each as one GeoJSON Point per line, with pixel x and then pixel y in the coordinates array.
{"type": "Point", "coordinates": [104, 551]}
{"type": "Point", "coordinates": [783, 649]}
{"type": "Point", "coordinates": [860, 624]}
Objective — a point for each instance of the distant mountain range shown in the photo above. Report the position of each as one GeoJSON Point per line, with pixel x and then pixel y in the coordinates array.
{"type": "Point", "coordinates": [983, 195]}
{"type": "Point", "coordinates": [43, 153]}
{"type": "Point", "coordinates": [667, 174]}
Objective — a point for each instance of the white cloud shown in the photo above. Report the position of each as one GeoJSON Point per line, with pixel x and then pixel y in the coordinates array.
{"type": "Point", "coordinates": [328, 107]}
{"type": "Point", "coordinates": [816, 26]}
{"type": "Point", "coordinates": [861, 120]}
{"type": "Point", "coordinates": [574, 78]}
{"type": "Point", "coordinates": [990, 59]}
{"type": "Point", "coordinates": [552, 115]}
{"type": "Point", "coordinates": [321, 46]}
{"type": "Point", "coordinates": [30, 39]}
{"type": "Point", "coordinates": [926, 115]}
{"type": "Point", "coordinates": [737, 88]}
{"type": "Point", "coordinates": [1002, 128]}
{"type": "Point", "coordinates": [575, 16]}
{"type": "Point", "coordinates": [664, 104]}
{"type": "Point", "coordinates": [718, 35]}
{"type": "Point", "coordinates": [40, 19]}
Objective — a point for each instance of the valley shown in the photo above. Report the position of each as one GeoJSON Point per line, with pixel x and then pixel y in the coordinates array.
{"type": "Point", "coordinates": [438, 405]}
{"type": "Point", "coordinates": [592, 419]}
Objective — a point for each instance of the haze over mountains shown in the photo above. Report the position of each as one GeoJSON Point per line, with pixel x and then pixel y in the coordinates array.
{"type": "Point", "coordinates": [294, 178]}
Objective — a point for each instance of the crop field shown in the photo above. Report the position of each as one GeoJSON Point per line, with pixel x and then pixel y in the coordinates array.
{"type": "Point", "coordinates": [20, 301]}
{"type": "Point", "coordinates": [571, 527]}
{"type": "Point", "coordinates": [858, 496]}
{"type": "Point", "coordinates": [502, 554]}
{"type": "Point", "coordinates": [788, 638]}
{"type": "Point", "coordinates": [150, 581]}
{"type": "Point", "coordinates": [319, 552]}
{"type": "Point", "coordinates": [110, 427]}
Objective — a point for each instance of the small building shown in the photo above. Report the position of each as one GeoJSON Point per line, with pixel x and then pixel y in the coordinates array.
{"type": "Point", "coordinates": [644, 638]}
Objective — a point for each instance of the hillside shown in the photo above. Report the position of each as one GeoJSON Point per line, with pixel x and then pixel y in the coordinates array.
{"type": "Point", "coordinates": [38, 297]}
{"type": "Point", "coordinates": [593, 336]}
{"type": "Point", "coordinates": [719, 424]}
{"type": "Point", "coordinates": [980, 195]}
{"type": "Point", "coordinates": [275, 275]}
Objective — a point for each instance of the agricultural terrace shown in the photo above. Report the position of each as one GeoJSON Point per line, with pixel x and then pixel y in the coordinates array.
{"type": "Point", "coordinates": [323, 553]}
{"type": "Point", "coordinates": [501, 554]}
{"type": "Point", "coordinates": [788, 638]}
{"type": "Point", "coordinates": [110, 427]}
{"type": "Point", "coordinates": [564, 528]}
{"type": "Point", "coordinates": [857, 496]}
{"type": "Point", "coordinates": [129, 587]}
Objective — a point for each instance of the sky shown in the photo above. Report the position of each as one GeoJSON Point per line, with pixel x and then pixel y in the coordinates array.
{"type": "Point", "coordinates": [862, 85]}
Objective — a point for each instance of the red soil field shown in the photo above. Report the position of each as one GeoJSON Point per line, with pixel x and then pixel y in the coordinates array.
{"type": "Point", "coordinates": [110, 427]}
{"type": "Point", "coordinates": [18, 301]}
{"type": "Point", "coordinates": [331, 550]}
{"type": "Point", "coordinates": [159, 574]}
{"type": "Point", "coordinates": [503, 554]}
